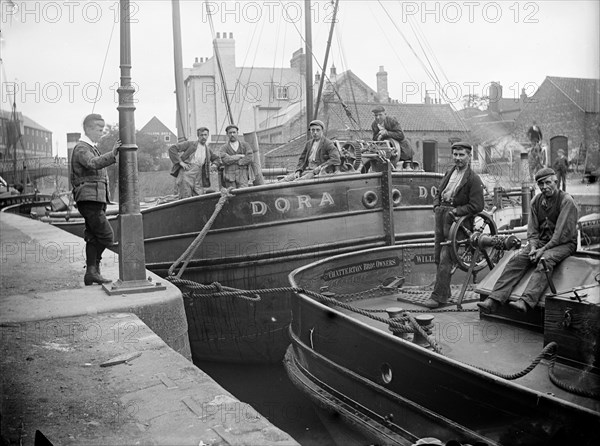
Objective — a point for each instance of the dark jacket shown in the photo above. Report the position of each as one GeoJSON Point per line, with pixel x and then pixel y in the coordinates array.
{"type": "Point", "coordinates": [468, 197]}
{"type": "Point", "coordinates": [183, 151]}
{"type": "Point", "coordinates": [232, 168]}
{"type": "Point", "coordinates": [327, 155]}
{"type": "Point", "coordinates": [394, 132]}
{"type": "Point", "coordinates": [534, 134]}
{"type": "Point", "coordinates": [88, 174]}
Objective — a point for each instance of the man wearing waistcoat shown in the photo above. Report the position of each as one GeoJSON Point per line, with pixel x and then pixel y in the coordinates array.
{"type": "Point", "coordinates": [90, 191]}
{"type": "Point", "coordinates": [191, 164]}
{"type": "Point", "coordinates": [551, 234]}
{"type": "Point", "coordinates": [236, 158]}
{"type": "Point", "coordinates": [460, 193]}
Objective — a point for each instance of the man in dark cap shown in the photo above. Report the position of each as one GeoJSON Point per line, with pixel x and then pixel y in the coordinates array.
{"type": "Point", "coordinates": [236, 158]}
{"type": "Point", "coordinates": [551, 234]}
{"type": "Point", "coordinates": [460, 193]}
{"type": "Point", "coordinates": [387, 128]}
{"type": "Point", "coordinates": [318, 157]}
{"type": "Point", "coordinates": [90, 191]}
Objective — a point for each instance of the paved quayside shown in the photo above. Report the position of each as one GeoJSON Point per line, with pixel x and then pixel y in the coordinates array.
{"type": "Point", "coordinates": [81, 367]}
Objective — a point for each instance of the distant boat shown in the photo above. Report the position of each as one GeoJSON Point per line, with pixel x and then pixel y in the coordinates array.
{"type": "Point", "coordinates": [452, 381]}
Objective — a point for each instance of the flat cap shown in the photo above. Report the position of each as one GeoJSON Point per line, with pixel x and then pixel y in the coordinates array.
{"type": "Point", "coordinates": [231, 126]}
{"type": "Point", "coordinates": [378, 109]}
{"type": "Point", "coordinates": [544, 173]}
{"type": "Point", "coordinates": [462, 145]}
{"type": "Point", "coordinates": [317, 122]}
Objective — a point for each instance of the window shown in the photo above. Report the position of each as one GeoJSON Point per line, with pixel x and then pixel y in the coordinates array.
{"type": "Point", "coordinates": [281, 92]}
{"type": "Point", "coordinates": [167, 138]}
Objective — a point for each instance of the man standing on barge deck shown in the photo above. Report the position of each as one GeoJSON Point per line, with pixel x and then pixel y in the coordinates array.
{"type": "Point", "coordinates": [551, 234]}
{"type": "Point", "coordinates": [191, 164]}
{"type": "Point", "coordinates": [460, 193]}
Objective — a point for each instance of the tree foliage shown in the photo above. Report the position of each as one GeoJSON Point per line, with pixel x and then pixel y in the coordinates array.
{"type": "Point", "coordinates": [476, 101]}
{"type": "Point", "coordinates": [149, 154]}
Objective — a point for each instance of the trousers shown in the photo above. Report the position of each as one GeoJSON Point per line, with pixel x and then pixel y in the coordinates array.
{"type": "Point", "coordinates": [520, 264]}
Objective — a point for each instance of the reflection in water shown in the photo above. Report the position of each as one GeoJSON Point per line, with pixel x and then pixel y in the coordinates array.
{"type": "Point", "coordinates": [268, 389]}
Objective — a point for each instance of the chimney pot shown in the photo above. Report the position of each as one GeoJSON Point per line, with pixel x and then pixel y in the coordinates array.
{"type": "Point", "coordinates": [382, 85]}
{"type": "Point", "coordinates": [218, 35]}
{"type": "Point", "coordinates": [231, 35]}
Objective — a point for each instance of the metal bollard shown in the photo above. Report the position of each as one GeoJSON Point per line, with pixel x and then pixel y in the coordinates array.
{"type": "Point", "coordinates": [394, 312]}
{"type": "Point", "coordinates": [423, 320]}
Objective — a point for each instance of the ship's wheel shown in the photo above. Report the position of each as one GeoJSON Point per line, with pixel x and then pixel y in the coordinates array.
{"type": "Point", "coordinates": [464, 234]}
{"type": "Point", "coordinates": [474, 244]}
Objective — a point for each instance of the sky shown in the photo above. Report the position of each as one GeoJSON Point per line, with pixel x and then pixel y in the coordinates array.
{"type": "Point", "coordinates": [62, 57]}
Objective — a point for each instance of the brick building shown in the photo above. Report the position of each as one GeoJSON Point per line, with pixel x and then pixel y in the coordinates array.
{"type": "Point", "coordinates": [36, 141]}
{"type": "Point", "coordinates": [567, 111]}
{"type": "Point", "coordinates": [160, 132]}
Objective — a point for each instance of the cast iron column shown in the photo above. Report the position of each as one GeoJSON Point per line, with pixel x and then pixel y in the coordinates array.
{"type": "Point", "coordinates": [132, 266]}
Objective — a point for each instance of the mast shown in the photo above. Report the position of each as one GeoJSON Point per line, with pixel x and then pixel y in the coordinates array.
{"type": "Point", "coordinates": [178, 61]}
{"type": "Point", "coordinates": [309, 74]}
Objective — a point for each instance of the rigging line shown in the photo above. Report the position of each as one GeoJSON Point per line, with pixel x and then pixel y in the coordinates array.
{"type": "Point", "coordinates": [322, 81]}
{"type": "Point", "coordinates": [272, 92]}
{"type": "Point", "coordinates": [348, 112]}
{"type": "Point", "coordinates": [391, 45]}
{"type": "Point", "coordinates": [103, 66]}
{"type": "Point", "coordinates": [243, 69]}
{"type": "Point", "coordinates": [421, 38]}
{"type": "Point", "coordinates": [219, 65]}
{"type": "Point", "coordinates": [430, 75]}
{"type": "Point", "coordinates": [357, 123]}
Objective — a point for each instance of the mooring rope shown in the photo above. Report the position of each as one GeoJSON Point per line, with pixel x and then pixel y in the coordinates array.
{"type": "Point", "coordinates": [191, 250]}
{"type": "Point", "coordinates": [398, 325]}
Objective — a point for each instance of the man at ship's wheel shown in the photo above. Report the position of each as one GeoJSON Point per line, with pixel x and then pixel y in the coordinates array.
{"type": "Point", "coordinates": [460, 193]}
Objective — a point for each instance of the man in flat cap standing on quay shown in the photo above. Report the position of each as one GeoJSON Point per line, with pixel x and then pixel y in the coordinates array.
{"type": "Point", "coordinates": [90, 191]}
{"type": "Point", "coordinates": [319, 155]}
{"type": "Point", "coordinates": [387, 128]}
{"type": "Point", "coordinates": [551, 234]}
{"type": "Point", "coordinates": [460, 193]}
{"type": "Point", "coordinates": [236, 157]}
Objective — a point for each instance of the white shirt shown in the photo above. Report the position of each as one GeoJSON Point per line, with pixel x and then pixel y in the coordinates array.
{"type": "Point", "coordinates": [313, 151]}
{"type": "Point", "coordinates": [235, 145]}
{"type": "Point", "coordinates": [453, 183]}
{"type": "Point", "coordinates": [199, 156]}
{"type": "Point", "coordinates": [87, 140]}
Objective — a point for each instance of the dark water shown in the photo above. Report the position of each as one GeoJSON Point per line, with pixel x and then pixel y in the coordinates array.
{"type": "Point", "coordinates": [268, 389]}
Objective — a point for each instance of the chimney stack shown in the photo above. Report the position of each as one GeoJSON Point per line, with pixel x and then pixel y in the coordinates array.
{"type": "Point", "coordinates": [382, 85]}
{"type": "Point", "coordinates": [495, 94]}
{"type": "Point", "coordinates": [317, 77]}
{"type": "Point", "coordinates": [298, 61]}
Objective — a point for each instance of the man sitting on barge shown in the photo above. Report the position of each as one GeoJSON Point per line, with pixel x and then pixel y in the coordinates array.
{"type": "Point", "coordinates": [551, 235]}
{"type": "Point", "coordinates": [319, 156]}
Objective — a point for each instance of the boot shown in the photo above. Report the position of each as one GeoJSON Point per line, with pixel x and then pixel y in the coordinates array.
{"type": "Point", "coordinates": [519, 305]}
{"type": "Point", "coordinates": [103, 279]}
{"type": "Point", "coordinates": [488, 306]}
{"type": "Point", "coordinates": [92, 275]}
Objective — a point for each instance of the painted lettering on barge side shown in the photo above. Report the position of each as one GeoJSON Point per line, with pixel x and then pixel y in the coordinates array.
{"type": "Point", "coordinates": [362, 267]}
{"type": "Point", "coordinates": [424, 192]}
{"type": "Point", "coordinates": [419, 259]}
{"type": "Point", "coordinates": [285, 204]}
